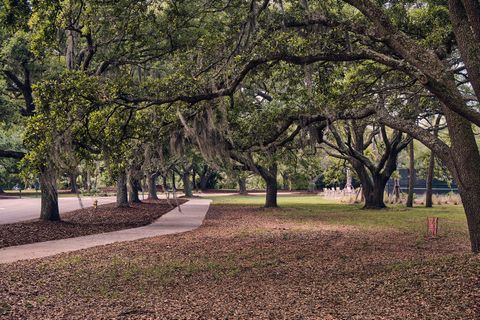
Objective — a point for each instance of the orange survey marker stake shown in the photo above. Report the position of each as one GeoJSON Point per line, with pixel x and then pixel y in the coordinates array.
{"type": "Point", "coordinates": [432, 224]}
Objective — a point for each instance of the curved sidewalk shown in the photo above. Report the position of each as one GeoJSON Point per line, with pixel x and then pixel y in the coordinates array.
{"type": "Point", "coordinates": [191, 217]}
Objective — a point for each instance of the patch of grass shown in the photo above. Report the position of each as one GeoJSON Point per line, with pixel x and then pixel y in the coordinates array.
{"type": "Point", "coordinates": [305, 209]}
{"type": "Point", "coordinates": [71, 260]}
{"type": "Point", "coordinates": [108, 281]}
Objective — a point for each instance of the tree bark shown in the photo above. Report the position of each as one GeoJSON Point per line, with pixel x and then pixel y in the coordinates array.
{"type": "Point", "coordinates": [374, 193]}
{"type": "Point", "coordinates": [174, 187]}
{"type": "Point", "coordinates": [204, 177]}
{"type": "Point", "coordinates": [464, 163]}
{"type": "Point", "coordinates": [242, 186]}
{"type": "Point", "coordinates": [429, 181]}
{"type": "Point", "coordinates": [134, 186]}
{"type": "Point", "coordinates": [348, 184]}
{"type": "Point", "coordinates": [152, 186]}
{"type": "Point", "coordinates": [271, 195]}
{"type": "Point", "coordinates": [84, 176]}
{"type": "Point", "coordinates": [396, 190]}
{"type": "Point", "coordinates": [286, 181]}
{"type": "Point", "coordinates": [122, 194]}
{"type": "Point", "coordinates": [164, 183]}
{"type": "Point", "coordinates": [431, 168]}
{"type": "Point", "coordinates": [194, 179]}
{"type": "Point", "coordinates": [49, 206]}
{"type": "Point", "coordinates": [187, 186]}
{"type": "Point", "coordinates": [70, 50]}
{"type": "Point", "coordinates": [270, 177]}
{"type": "Point", "coordinates": [73, 183]}
{"type": "Point", "coordinates": [411, 175]}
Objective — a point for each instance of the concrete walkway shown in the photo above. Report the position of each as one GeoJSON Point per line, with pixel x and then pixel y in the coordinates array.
{"type": "Point", "coordinates": [16, 210]}
{"type": "Point", "coordinates": [191, 217]}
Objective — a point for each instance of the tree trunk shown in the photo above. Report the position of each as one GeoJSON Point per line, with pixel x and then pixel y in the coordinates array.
{"type": "Point", "coordinates": [471, 199]}
{"type": "Point", "coordinates": [122, 194]}
{"type": "Point", "coordinates": [285, 180]}
{"type": "Point", "coordinates": [134, 186]}
{"type": "Point", "coordinates": [271, 196]}
{"type": "Point", "coordinates": [73, 182]}
{"type": "Point", "coordinates": [374, 193]}
{"type": "Point", "coordinates": [152, 186]}
{"type": "Point", "coordinates": [431, 168]}
{"type": "Point", "coordinates": [86, 180]}
{"type": "Point", "coordinates": [204, 177]}
{"type": "Point", "coordinates": [411, 175]}
{"type": "Point", "coordinates": [396, 190]}
{"type": "Point", "coordinates": [348, 184]}
{"type": "Point", "coordinates": [49, 206]}
{"type": "Point", "coordinates": [89, 181]}
{"type": "Point", "coordinates": [204, 183]}
{"type": "Point", "coordinates": [164, 183]}
{"type": "Point", "coordinates": [270, 177]}
{"type": "Point", "coordinates": [194, 179]}
{"type": "Point", "coordinates": [464, 163]}
{"type": "Point", "coordinates": [429, 182]}
{"type": "Point", "coordinates": [70, 50]}
{"type": "Point", "coordinates": [187, 187]}
{"type": "Point", "coordinates": [174, 187]}
{"type": "Point", "coordinates": [242, 186]}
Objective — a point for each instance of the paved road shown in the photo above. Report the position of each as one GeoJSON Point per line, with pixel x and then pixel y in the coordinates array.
{"type": "Point", "coordinates": [15, 209]}
{"type": "Point", "coordinates": [191, 217]}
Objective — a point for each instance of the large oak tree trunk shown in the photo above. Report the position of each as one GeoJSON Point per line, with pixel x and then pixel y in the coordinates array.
{"type": "Point", "coordinates": [271, 195]}
{"type": "Point", "coordinates": [374, 193]}
{"type": "Point", "coordinates": [122, 194]}
{"type": "Point", "coordinates": [465, 166]}
{"type": "Point", "coordinates": [187, 186]}
{"type": "Point", "coordinates": [411, 175]}
{"type": "Point", "coordinates": [49, 206]}
{"type": "Point", "coordinates": [373, 186]}
{"type": "Point", "coordinates": [152, 186]}
{"type": "Point", "coordinates": [270, 177]}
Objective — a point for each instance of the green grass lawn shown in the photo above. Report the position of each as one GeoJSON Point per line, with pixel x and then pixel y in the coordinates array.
{"type": "Point", "coordinates": [452, 221]}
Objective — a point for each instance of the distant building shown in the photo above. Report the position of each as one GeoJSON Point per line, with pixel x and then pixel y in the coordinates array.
{"type": "Point", "coordinates": [439, 187]}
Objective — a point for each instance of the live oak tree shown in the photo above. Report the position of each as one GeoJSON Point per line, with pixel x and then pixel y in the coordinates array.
{"type": "Point", "coordinates": [192, 52]}
{"type": "Point", "coordinates": [372, 153]}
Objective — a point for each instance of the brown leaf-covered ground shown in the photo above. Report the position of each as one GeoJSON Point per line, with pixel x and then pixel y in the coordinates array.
{"type": "Point", "coordinates": [252, 263]}
{"type": "Point", "coordinates": [104, 218]}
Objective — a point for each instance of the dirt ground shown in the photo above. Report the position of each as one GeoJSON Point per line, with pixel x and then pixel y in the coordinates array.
{"type": "Point", "coordinates": [250, 263]}
{"type": "Point", "coordinates": [83, 222]}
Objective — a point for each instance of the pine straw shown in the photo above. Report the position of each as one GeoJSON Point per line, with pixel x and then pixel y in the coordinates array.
{"type": "Point", "coordinates": [249, 263]}
{"type": "Point", "coordinates": [84, 222]}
